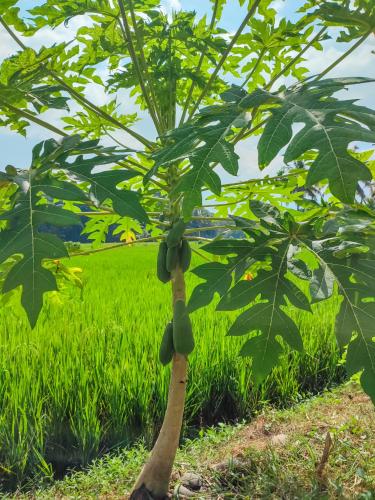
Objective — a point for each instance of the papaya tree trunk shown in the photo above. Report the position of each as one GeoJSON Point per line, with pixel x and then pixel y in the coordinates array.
{"type": "Point", "coordinates": [153, 482]}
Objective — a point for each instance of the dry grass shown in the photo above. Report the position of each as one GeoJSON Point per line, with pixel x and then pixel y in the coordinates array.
{"type": "Point", "coordinates": [278, 454]}
{"type": "Point", "coordinates": [322, 414]}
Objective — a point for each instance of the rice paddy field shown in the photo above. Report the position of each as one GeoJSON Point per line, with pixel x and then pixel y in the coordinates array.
{"type": "Point", "coordinates": [87, 379]}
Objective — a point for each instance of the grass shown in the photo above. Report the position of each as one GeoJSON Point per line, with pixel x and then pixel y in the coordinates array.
{"type": "Point", "coordinates": [252, 461]}
{"type": "Point", "coordinates": [87, 379]}
{"type": "Point", "coordinates": [286, 447]}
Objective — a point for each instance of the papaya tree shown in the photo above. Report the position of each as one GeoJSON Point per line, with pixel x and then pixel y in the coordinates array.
{"type": "Point", "coordinates": [199, 92]}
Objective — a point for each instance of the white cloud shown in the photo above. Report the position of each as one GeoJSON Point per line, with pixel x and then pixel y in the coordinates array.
{"type": "Point", "coordinates": [174, 4]}
{"type": "Point", "coordinates": [249, 167]}
{"type": "Point", "coordinates": [44, 37]}
{"type": "Point", "coordinates": [359, 63]}
{"type": "Point", "coordinates": [278, 5]}
{"type": "Point", "coordinates": [170, 6]}
{"type": "Point", "coordinates": [47, 36]}
{"type": "Point", "coordinates": [7, 45]}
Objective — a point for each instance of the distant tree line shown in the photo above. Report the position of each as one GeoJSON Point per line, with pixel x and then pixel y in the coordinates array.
{"type": "Point", "coordinates": [73, 233]}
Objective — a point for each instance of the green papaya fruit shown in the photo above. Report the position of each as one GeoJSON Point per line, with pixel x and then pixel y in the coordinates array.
{"type": "Point", "coordinates": [185, 255]}
{"type": "Point", "coordinates": [172, 258]}
{"type": "Point", "coordinates": [166, 347]}
{"type": "Point", "coordinates": [183, 339]}
{"type": "Point", "coordinates": [162, 272]}
{"type": "Point", "coordinates": [175, 234]}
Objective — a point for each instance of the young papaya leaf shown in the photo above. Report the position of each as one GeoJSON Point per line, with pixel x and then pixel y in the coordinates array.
{"type": "Point", "coordinates": [22, 91]}
{"type": "Point", "coordinates": [329, 128]}
{"type": "Point", "coordinates": [97, 229]}
{"type": "Point", "coordinates": [358, 21]}
{"type": "Point", "coordinates": [204, 141]}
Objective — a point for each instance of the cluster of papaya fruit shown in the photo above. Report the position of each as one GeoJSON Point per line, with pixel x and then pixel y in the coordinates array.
{"type": "Point", "coordinates": [175, 250]}
{"type": "Point", "coordinates": [178, 334]}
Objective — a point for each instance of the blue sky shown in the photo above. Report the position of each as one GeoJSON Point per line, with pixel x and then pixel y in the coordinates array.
{"type": "Point", "coordinates": [17, 150]}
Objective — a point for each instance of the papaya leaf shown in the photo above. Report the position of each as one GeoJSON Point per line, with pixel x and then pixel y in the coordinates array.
{"type": "Point", "coordinates": [357, 22]}
{"type": "Point", "coordinates": [266, 295]}
{"type": "Point", "coordinates": [204, 141]}
{"type": "Point", "coordinates": [88, 155]}
{"type": "Point", "coordinates": [268, 316]}
{"type": "Point", "coordinates": [355, 321]}
{"type": "Point", "coordinates": [322, 283]}
{"type": "Point", "coordinates": [241, 254]}
{"type": "Point", "coordinates": [24, 237]}
{"type": "Point", "coordinates": [218, 275]}
{"type": "Point", "coordinates": [265, 353]}
{"type": "Point", "coordinates": [347, 262]}
{"type": "Point", "coordinates": [59, 189]}
{"type": "Point", "coordinates": [330, 126]}
{"type": "Point", "coordinates": [277, 247]}
{"type": "Point", "coordinates": [103, 186]}
{"type": "Point", "coordinates": [32, 209]}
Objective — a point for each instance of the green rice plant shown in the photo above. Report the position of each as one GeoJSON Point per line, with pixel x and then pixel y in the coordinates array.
{"type": "Point", "coordinates": [82, 382]}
